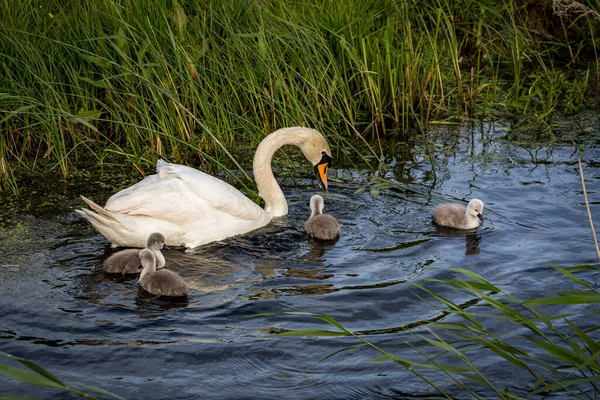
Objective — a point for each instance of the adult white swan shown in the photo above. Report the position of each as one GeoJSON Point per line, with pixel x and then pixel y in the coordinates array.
{"type": "Point", "coordinates": [191, 208]}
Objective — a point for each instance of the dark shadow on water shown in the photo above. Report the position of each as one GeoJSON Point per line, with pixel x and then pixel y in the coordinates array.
{"type": "Point", "coordinates": [149, 301]}
{"type": "Point", "coordinates": [472, 237]}
{"type": "Point", "coordinates": [472, 244]}
{"type": "Point", "coordinates": [317, 249]}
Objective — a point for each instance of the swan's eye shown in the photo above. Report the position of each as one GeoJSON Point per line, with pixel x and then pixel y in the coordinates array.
{"type": "Point", "coordinates": [325, 158]}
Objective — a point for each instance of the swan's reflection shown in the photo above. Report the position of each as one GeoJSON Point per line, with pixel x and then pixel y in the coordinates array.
{"type": "Point", "coordinates": [284, 277]}
{"type": "Point", "coordinates": [148, 301]}
{"type": "Point", "coordinates": [211, 269]}
{"type": "Point", "coordinates": [472, 238]}
{"type": "Point", "coordinates": [472, 244]}
{"type": "Point", "coordinates": [317, 249]}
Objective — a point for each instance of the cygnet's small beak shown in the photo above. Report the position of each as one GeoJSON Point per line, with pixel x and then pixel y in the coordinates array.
{"type": "Point", "coordinates": [480, 217]}
{"type": "Point", "coordinates": [166, 247]}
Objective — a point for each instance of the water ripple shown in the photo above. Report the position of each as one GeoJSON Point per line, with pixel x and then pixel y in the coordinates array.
{"type": "Point", "coordinates": [60, 310]}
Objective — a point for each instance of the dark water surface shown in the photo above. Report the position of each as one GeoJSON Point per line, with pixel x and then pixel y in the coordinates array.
{"type": "Point", "coordinates": [58, 310]}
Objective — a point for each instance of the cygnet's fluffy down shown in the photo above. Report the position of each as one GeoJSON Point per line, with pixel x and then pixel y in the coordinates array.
{"type": "Point", "coordinates": [321, 226]}
{"type": "Point", "coordinates": [458, 216]}
{"type": "Point", "coordinates": [163, 282]}
{"type": "Point", "coordinates": [128, 261]}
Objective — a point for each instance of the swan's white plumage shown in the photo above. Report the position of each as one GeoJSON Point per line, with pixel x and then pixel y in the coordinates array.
{"type": "Point", "coordinates": [191, 208]}
{"type": "Point", "coordinates": [188, 192]}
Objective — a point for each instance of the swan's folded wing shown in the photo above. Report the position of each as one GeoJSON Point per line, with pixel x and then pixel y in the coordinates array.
{"type": "Point", "coordinates": [180, 194]}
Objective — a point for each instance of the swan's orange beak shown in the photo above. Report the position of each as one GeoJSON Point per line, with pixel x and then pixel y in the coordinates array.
{"type": "Point", "coordinates": [322, 171]}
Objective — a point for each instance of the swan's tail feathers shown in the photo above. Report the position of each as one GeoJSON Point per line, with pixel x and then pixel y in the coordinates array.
{"type": "Point", "coordinates": [113, 227]}
{"type": "Point", "coordinates": [98, 209]}
{"type": "Point", "coordinates": [168, 170]}
{"type": "Point", "coordinates": [100, 219]}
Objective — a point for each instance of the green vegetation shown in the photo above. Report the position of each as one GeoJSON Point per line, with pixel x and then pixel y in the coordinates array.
{"type": "Point", "coordinates": [557, 349]}
{"type": "Point", "coordinates": [33, 374]}
{"type": "Point", "coordinates": [129, 81]}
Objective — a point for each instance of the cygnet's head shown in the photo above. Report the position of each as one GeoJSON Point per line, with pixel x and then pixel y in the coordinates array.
{"type": "Point", "coordinates": [475, 208]}
{"type": "Point", "coordinates": [156, 241]}
{"type": "Point", "coordinates": [316, 204]}
{"type": "Point", "coordinates": [147, 258]}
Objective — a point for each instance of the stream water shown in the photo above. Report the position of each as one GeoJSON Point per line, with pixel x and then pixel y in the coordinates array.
{"type": "Point", "coordinates": [59, 310]}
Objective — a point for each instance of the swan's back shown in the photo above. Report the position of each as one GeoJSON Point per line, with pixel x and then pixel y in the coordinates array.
{"type": "Point", "coordinates": [164, 283]}
{"type": "Point", "coordinates": [189, 207]}
{"type": "Point", "coordinates": [181, 193]}
{"type": "Point", "coordinates": [125, 261]}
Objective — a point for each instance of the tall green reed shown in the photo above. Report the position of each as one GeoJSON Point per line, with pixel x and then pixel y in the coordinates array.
{"type": "Point", "coordinates": [551, 338]}
{"type": "Point", "coordinates": [189, 80]}
{"type": "Point", "coordinates": [35, 375]}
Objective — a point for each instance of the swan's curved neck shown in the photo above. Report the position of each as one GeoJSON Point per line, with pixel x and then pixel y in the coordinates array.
{"type": "Point", "coordinates": [268, 188]}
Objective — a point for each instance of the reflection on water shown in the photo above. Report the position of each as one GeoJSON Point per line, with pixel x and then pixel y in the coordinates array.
{"type": "Point", "coordinates": [59, 309]}
{"type": "Point", "coordinates": [472, 237]}
{"type": "Point", "coordinates": [472, 244]}
{"type": "Point", "coordinates": [316, 251]}
{"type": "Point", "coordinates": [148, 301]}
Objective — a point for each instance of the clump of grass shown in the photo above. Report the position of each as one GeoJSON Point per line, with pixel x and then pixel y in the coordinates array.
{"type": "Point", "coordinates": [187, 80]}
{"type": "Point", "coordinates": [558, 355]}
